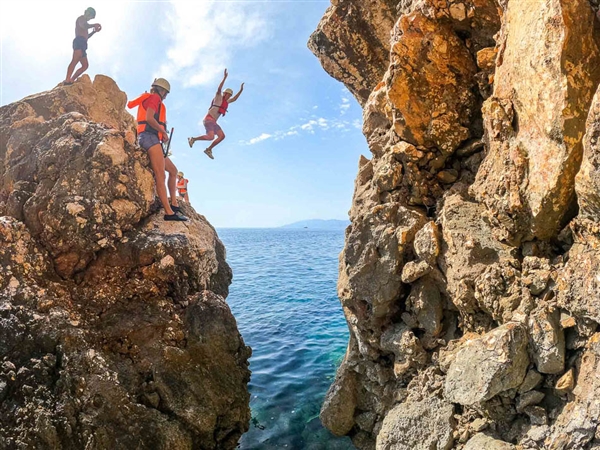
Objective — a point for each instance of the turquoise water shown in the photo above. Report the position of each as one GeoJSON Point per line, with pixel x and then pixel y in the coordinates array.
{"type": "Point", "coordinates": [284, 299]}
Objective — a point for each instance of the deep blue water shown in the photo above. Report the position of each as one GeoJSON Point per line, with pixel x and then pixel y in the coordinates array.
{"type": "Point", "coordinates": [284, 299]}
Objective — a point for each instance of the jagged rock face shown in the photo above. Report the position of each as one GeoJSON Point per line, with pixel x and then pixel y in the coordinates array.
{"type": "Point", "coordinates": [431, 63]}
{"type": "Point", "coordinates": [357, 52]}
{"type": "Point", "coordinates": [469, 277]}
{"type": "Point", "coordinates": [114, 331]}
{"type": "Point", "coordinates": [535, 120]}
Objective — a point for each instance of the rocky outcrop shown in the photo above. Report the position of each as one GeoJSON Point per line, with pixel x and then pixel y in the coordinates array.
{"type": "Point", "coordinates": [535, 119]}
{"type": "Point", "coordinates": [469, 277]}
{"type": "Point", "coordinates": [114, 331]}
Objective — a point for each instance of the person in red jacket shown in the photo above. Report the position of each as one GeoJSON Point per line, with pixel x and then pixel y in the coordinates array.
{"type": "Point", "coordinates": [80, 44]}
{"type": "Point", "coordinates": [218, 108]}
{"type": "Point", "coordinates": [182, 187]}
{"type": "Point", "coordinates": [152, 135]}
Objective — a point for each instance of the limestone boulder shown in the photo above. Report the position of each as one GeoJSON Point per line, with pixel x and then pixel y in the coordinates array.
{"type": "Point", "coordinates": [577, 283]}
{"type": "Point", "coordinates": [547, 341]}
{"type": "Point", "coordinates": [576, 426]}
{"type": "Point", "coordinates": [407, 349]}
{"type": "Point", "coordinates": [549, 65]}
{"type": "Point", "coordinates": [468, 250]}
{"type": "Point", "coordinates": [484, 442]}
{"type": "Point", "coordinates": [488, 365]}
{"type": "Point", "coordinates": [587, 182]}
{"type": "Point", "coordinates": [427, 242]}
{"type": "Point", "coordinates": [430, 84]}
{"type": "Point", "coordinates": [423, 425]}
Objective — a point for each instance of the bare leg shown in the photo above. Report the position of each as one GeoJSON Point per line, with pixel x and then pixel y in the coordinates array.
{"type": "Point", "coordinates": [220, 137]}
{"type": "Point", "coordinates": [83, 68]}
{"type": "Point", "coordinates": [186, 197]}
{"type": "Point", "coordinates": [157, 161]}
{"type": "Point", "coordinates": [209, 136]}
{"type": "Point", "coordinates": [172, 182]}
{"type": "Point", "coordinates": [77, 55]}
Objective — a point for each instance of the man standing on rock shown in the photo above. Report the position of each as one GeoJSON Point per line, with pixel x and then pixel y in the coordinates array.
{"type": "Point", "coordinates": [217, 109]}
{"type": "Point", "coordinates": [152, 134]}
{"type": "Point", "coordinates": [80, 44]}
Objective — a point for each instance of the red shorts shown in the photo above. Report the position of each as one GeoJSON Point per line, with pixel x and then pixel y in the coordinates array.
{"type": "Point", "coordinates": [211, 125]}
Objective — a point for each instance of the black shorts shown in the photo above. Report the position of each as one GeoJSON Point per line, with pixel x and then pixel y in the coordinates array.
{"type": "Point", "coordinates": [80, 43]}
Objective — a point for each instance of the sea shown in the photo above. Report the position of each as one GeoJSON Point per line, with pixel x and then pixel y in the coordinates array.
{"type": "Point", "coordinates": [284, 298]}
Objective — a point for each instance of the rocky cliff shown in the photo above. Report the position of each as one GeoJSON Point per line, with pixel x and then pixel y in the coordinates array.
{"type": "Point", "coordinates": [470, 277]}
{"type": "Point", "coordinates": [114, 331]}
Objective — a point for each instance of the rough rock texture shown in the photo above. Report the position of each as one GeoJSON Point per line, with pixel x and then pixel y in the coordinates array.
{"type": "Point", "coordinates": [114, 331]}
{"type": "Point", "coordinates": [484, 367]}
{"type": "Point", "coordinates": [482, 442]}
{"type": "Point", "coordinates": [422, 425]}
{"type": "Point", "coordinates": [356, 52]}
{"type": "Point", "coordinates": [470, 270]}
{"type": "Point", "coordinates": [535, 119]}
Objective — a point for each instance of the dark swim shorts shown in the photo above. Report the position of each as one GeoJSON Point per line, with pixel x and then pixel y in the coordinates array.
{"type": "Point", "coordinates": [80, 43]}
{"type": "Point", "coordinates": [147, 140]}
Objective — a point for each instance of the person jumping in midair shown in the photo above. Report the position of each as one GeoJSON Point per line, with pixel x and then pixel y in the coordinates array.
{"type": "Point", "coordinates": [80, 44]}
{"type": "Point", "coordinates": [217, 109]}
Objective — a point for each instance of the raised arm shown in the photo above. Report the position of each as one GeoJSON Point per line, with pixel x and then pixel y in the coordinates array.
{"type": "Point", "coordinates": [236, 96]}
{"type": "Point", "coordinates": [222, 82]}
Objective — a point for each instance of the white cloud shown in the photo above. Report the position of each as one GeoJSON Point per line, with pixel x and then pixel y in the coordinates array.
{"type": "Point", "coordinates": [262, 137]}
{"type": "Point", "coordinates": [311, 126]}
{"type": "Point", "coordinates": [203, 39]}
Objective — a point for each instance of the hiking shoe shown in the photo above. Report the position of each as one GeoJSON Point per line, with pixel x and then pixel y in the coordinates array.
{"type": "Point", "coordinates": [208, 152]}
{"type": "Point", "coordinates": [191, 142]}
{"type": "Point", "coordinates": [175, 218]}
{"type": "Point", "coordinates": [176, 209]}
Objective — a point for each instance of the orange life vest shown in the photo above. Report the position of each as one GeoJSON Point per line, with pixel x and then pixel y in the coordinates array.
{"type": "Point", "coordinates": [160, 115]}
{"type": "Point", "coordinates": [222, 107]}
{"type": "Point", "coordinates": [182, 185]}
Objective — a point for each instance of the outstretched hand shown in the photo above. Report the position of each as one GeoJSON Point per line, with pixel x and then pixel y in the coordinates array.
{"type": "Point", "coordinates": [242, 87]}
{"type": "Point", "coordinates": [225, 74]}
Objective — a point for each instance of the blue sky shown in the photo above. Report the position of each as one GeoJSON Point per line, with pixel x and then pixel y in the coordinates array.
{"type": "Point", "coordinates": [293, 138]}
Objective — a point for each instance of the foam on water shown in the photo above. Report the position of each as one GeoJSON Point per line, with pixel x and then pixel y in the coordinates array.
{"type": "Point", "coordinates": [284, 299]}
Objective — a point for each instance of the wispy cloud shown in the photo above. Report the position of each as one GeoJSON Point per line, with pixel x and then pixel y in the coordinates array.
{"type": "Point", "coordinates": [345, 106]}
{"type": "Point", "coordinates": [204, 38]}
{"type": "Point", "coordinates": [262, 137]}
{"type": "Point", "coordinates": [310, 126]}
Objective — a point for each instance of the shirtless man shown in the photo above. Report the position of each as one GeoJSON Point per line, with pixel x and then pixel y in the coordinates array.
{"type": "Point", "coordinates": [218, 108]}
{"type": "Point", "coordinates": [80, 44]}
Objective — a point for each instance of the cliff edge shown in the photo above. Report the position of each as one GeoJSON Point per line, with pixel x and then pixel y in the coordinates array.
{"type": "Point", "coordinates": [470, 276]}
{"type": "Point", "coordinates": [114, 330]}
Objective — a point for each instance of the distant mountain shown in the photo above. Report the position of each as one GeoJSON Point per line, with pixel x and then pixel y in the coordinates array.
{"type": "Point", "coordinates": [320, 224]}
